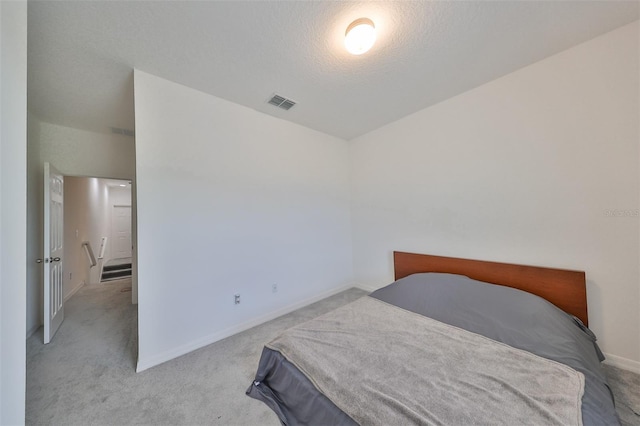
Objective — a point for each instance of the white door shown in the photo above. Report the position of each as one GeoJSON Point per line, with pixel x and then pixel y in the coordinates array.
{"type": "Point", "coordinates": [121, 232]}
{"type": "Point", "coordinates": [53, 251]}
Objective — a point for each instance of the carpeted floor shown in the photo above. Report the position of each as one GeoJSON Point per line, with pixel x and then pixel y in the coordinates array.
{"type": "Point", "coordinates": [626, 390]}
{"type": "Point", "coordinates": [86, 376]}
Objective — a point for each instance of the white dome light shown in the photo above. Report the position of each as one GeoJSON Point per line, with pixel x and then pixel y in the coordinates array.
{"type": "Point", "coordinates": [360, 36]}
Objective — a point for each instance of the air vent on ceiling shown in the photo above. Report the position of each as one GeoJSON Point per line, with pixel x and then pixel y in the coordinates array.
{"type": "Point", "coordinates": [119, 131]}
{"type": "Point", "coordinates": [281, 102]}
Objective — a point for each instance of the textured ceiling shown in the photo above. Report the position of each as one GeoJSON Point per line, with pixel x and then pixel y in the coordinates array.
{"type": "Point", "coordinates": [81, 54]}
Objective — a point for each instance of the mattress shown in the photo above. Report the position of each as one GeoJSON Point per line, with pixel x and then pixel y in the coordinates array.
{"type": "Point", "coordinates": [513, 317]}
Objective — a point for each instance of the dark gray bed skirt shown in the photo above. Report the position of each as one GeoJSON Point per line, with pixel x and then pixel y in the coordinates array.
{"type": "Point", "coordinates": [285, 390]}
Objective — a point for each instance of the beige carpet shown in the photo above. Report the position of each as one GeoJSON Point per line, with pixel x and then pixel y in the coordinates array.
{"type": "Point", "coordinates": [86, 376]}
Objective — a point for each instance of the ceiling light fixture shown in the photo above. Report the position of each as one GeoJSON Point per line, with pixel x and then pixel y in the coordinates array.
{"type": "Point", "coordinates": [360, 36]}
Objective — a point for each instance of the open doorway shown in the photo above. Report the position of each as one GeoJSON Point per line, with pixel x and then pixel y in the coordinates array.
{"type": "Point", "coordinates": [97, 232]}
{"type": "Point", "coordinates": [119, 265]}
{"type": "Point", "coordinates": [99, 332]}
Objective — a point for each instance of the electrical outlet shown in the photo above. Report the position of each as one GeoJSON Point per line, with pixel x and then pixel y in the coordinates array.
{"type": "Point", "coordinates": [274, 288]}
{"type": "Point", "coordinates": [236, 298]}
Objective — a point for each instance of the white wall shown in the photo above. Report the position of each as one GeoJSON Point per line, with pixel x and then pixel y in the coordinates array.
{"type": "Point", "coordinates": [520, 170]}
{"type": "Point", "coordinates": [13, 211]}
{"type": "Point", "coordinates": [120, 196]}
{"type": "Point", "coordinates": [76, 230]}
{"type": "Point", "coordinates": [230, 200]}
{"type": "Point", "coordinates": [82, 153]}
{"type": "Point", "coordinates": [35, 188]}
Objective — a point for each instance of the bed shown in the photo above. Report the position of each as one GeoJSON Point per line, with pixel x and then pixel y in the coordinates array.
{"type": "Point", "coordinates": [451, 341]}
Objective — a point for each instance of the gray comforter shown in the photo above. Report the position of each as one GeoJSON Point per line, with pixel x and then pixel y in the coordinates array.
{"type": "Point", "coordinates": [463, 378]}
{"type": "Point", "coordinates": [506, 315]}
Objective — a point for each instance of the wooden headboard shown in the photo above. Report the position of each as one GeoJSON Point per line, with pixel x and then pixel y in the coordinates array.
{"type": "Point", "coordinates": [564, 288]}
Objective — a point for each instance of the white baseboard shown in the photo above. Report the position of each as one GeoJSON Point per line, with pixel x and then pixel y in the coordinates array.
{"type": "Point", "coordinates": [623, 363]}
{"type": "Point", "coordinates": [367, 287]}
{"type": "Point", "coordinates": [74, 291]}
{"type": "Point", "coordinates": [152, 361]}
{"type": "Point", "coordinates": [33, 330]}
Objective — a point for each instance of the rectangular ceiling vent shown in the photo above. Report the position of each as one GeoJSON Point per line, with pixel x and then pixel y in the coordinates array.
{"type": "Point", "coordinates": [119, 131]}
{"type": "Point", "coordinates": [282, 102]}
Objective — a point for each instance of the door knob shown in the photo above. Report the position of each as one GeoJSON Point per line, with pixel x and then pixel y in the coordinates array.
{"type": "Point", "coordinates": [38, 260]}
{"type": "Point", "coordinates": [55, 259]}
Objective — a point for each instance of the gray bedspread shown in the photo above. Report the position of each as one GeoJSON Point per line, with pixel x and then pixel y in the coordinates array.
{"type": "Point", "coordinates": [506, 315]}
{"type": "Point", "coordinates": [437, 374]}
{"type": "Point", "coordinates": [514, 317]}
